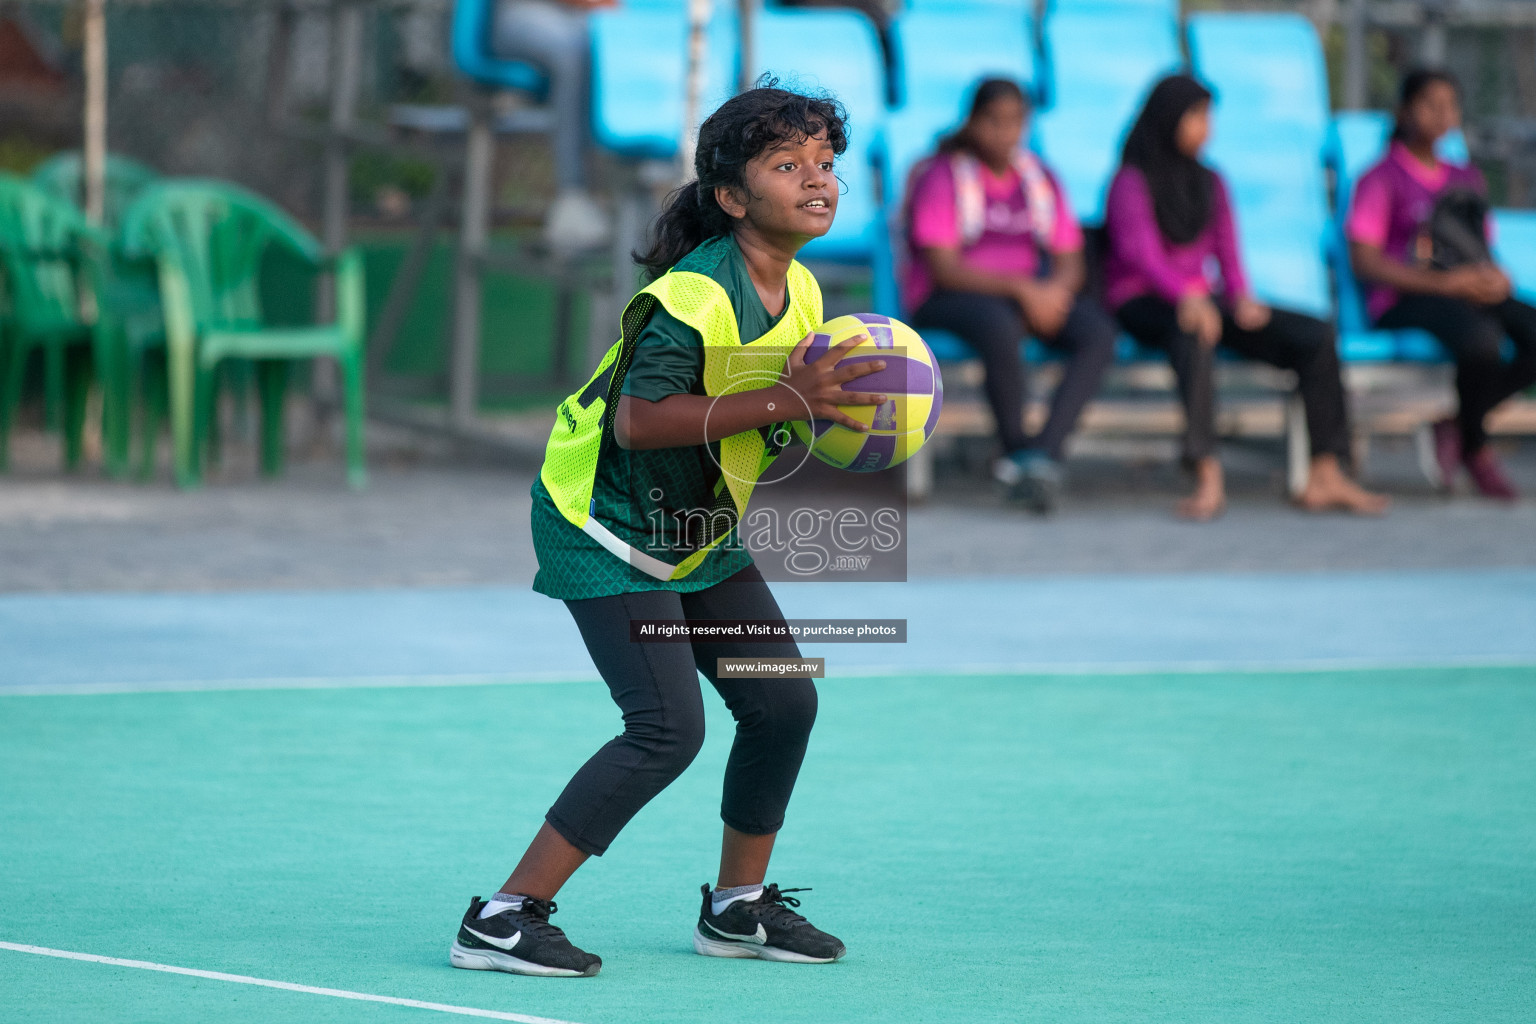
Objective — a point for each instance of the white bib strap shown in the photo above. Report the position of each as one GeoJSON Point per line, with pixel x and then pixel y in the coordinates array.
{"type": "Point", "coordinates": [634, 556]}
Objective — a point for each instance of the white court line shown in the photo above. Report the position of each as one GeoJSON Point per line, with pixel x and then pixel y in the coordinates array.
{"type": "Point", "coordinates": [1025, 668]}
{"type": "Point", "coordinates": [339, 993]}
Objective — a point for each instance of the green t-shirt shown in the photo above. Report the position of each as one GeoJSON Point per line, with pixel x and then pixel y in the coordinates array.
{"type": "Point", "coordinates": [636, 492]}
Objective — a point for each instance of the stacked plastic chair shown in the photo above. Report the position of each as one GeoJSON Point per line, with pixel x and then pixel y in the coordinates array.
{"type": "Point", "coordinates": [49, 257]}
{"type": "Point", "coordinates": [207, 240]}
{"type": "Point", "coordinates": [63, 176]}
{"type": "Point", "coordinates": [128, 322]}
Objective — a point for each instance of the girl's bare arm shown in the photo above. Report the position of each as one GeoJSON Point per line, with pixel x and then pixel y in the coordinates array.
{"type": "Point", "coordinates": [679, 421]}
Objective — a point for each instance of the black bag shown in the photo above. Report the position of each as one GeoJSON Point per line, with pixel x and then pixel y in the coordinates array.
{"type": "Point", "coordinates": [1458, 232]}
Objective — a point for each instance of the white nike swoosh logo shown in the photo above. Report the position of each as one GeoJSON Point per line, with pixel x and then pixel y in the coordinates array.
{"type": "Point", "coordinates": [761, 938]}
{"type": "Point", "coordinates": [507, 944]}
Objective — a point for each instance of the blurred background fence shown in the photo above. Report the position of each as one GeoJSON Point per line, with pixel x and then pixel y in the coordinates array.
{"type": "Point", "coordinates": [355, 118]}
{"type": "Point", "coordinates": [248, 92]}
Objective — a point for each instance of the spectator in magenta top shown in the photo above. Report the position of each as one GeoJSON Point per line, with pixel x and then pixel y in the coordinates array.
{"type": "Point", "coordinates": [1468, 307]}
{"type": "Point", "coordinates": [1168, 219]}
{"type": "Point", "coordinates": [996, 254]}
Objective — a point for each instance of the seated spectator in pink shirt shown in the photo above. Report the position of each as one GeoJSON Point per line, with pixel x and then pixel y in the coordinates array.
{"type": "Point", "coordinates": [996, 254]}
{"type": "Point", "coordinates": [1467, 306]}
{"type": "Point", "coordinates": [1168, 219]}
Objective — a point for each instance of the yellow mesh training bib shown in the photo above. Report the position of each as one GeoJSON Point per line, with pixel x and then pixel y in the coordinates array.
{"type": "Point", "coordinates": [584, 421]}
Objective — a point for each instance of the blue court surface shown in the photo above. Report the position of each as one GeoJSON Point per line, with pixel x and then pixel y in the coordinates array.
{"type": "Point", "coordinates": [84, 643]}
{"type": "Point", "coordinates": [1281, 797]}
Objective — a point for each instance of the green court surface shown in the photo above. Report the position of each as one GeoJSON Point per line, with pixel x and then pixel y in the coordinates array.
{"type": "Point", "coordinates": [1328, 846]}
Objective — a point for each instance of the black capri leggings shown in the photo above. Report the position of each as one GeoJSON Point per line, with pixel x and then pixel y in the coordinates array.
{"type": "Point", "coordinates": [1474, 335]}
{"type": "Point", "coordinates": [993, 326]}
{"type": "Point", "coordinates": [656, 686]}
{"type": "Point", "coordinates": [1291, 341]}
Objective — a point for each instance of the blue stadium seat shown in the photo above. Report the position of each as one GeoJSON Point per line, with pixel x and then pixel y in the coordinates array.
{"type": "Point", "coordinates": [941, 63]}
{"type": "Point", "coordinates": [470, 39]}
{"type": "Point", "coordinates": [1357, 141]}
{"type": "Point", "coordinates": [1270, 80]}
{"type": "Point", "coordinates": [1102, 62]}
{"type": "Point", "coordinates": [639, 75]}
{"type": "Point", "coordinates": [1269, 130]}
{"type": "Point", "coordinates": [946, 47]}
{"type": "Point", "coordinates": [1514, 246]}
{"type": "Point", "coordinates": [945, 50]}
{"type": "Point", "coordinates": [1165, 8]}
{"type": "Point", "coordinates": [835, 50]}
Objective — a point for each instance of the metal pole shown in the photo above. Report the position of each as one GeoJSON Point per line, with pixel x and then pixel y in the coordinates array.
{"type": "Point", "coordinates": [464, 358]}
{"type": "Point", "coordinates": [95, 142]}
{"type": "Point", "coordinates": [346, 63]}
{"type": "Point", "coordinates": [1355, 70]}
{"type": "Point", "coordinates": [746, 70]}
{"type": "Point", "coordinates": [278, 63]}
{"type": "Point", "coordinates": [1432, 42]}
{"type": "Point", "coordinates": [698, 22]}
{"type": "Point", "coordinates": [346, 60]}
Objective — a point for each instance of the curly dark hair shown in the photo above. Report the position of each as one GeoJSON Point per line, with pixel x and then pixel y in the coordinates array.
{"type": "Point", "coordinates": [743, 127]}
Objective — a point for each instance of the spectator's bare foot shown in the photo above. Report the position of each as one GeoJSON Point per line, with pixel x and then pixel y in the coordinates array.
{"type": "Point", "coordinates": [1209, 499]}
{"type": "Point", "coordinates": [1330, 490]}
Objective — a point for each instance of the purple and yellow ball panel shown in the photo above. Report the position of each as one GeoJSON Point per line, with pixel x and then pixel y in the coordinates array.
{"type": "Point", "coordinates": [896, 415]}
{"type": "Point", "coordinates": [902, 375]}
{"type": "Point", "coordinates": [820, 342]}
{"type": "Point", "coordinates": [937, 403]}
{"type": "Point", "coordinates": [910, 381]}
{"type": "Point", "coordinates": [838, 446]}
{"type": "Point", "coordinates": [876, 453]}
{"type": "Point", "coordinates": [866, 453]}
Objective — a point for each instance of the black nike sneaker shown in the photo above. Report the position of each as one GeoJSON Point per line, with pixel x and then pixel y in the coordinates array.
{"type": "Point", "coordinates": [765, 928]}
{"type": "Point", "coordinates": [519, 942]}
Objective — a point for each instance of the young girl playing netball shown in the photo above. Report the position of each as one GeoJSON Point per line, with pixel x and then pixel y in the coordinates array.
{"type": "Point", "coordinates": [670, 430]}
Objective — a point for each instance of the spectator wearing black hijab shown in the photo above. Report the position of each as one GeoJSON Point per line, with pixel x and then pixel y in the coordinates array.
{"type": "Point", "coordinates": [1168, 218]}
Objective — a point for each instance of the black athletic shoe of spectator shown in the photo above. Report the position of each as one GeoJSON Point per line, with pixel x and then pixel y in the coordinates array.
{"type": "Point", "coordinates": [519, 942]}
{"type": "Point", "coordinates": [765, 928]}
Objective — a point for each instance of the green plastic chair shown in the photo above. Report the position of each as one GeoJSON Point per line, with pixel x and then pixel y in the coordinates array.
{"type": "Point", "coordinates": [63, 176]}
{"type": "Point", "coordinates": [208, 239]}
{"type": "Point", "coordinates": [49, 258]}
{"type": "Point", "coordinates": [130, 354]}
{"type": "Point", "coordinates": [131, 328]}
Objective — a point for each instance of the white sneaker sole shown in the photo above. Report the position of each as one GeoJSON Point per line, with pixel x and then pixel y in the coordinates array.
{"type": "Point", "coordinates": [706, 946]}
{"type": "Point", "coordinates": [489, 960]}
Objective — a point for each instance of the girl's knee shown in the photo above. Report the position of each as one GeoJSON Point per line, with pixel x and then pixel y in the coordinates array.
{"type": "Point", "coordinates": [793, 711]}
{"type": "Point", "coordinates": [1482, 348]}
{"type": "Point", "coordinates": [1184, 348]}
{"type": "Point", "coordinates": [787, 711]}
{"type": "Point", "coordinates": [670, 738]}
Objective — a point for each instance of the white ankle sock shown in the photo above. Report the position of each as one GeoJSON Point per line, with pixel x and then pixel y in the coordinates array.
{"type": "Point", "coordinates": [722, 898]}
{"type": "Point", "coordinates": [501, 901]}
